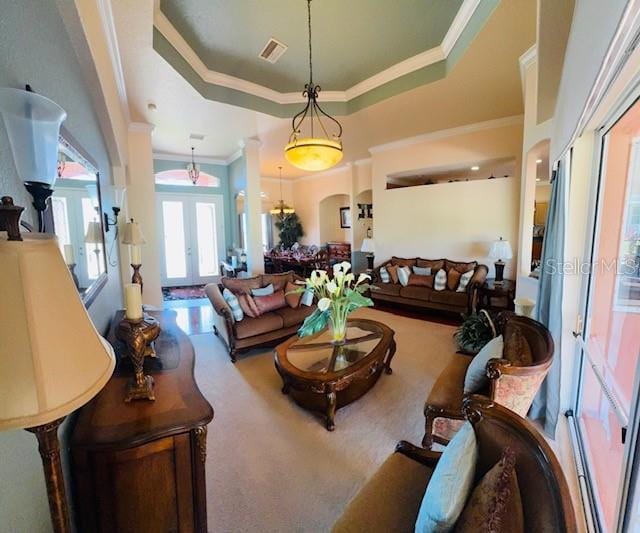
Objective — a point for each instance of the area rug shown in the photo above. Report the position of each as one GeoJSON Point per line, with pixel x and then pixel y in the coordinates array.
{"type": "Point", "coordinates": [183, 293]}
{"type": "Point", "coordinates": [272, 466]}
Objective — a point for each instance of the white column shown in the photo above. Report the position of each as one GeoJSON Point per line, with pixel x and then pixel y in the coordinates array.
{"type": "Point", "coordinates": [141, 205]}
{"type": "Point", "coordinates": [253, 206]}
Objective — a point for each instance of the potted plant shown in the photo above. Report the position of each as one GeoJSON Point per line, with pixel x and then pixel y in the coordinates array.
{"type": "Point", "coordinates": [476, 331]}
{"type": "Point", "coordinates": [337, 298]}
{"type": "Point", "coordinates": [289, 229]}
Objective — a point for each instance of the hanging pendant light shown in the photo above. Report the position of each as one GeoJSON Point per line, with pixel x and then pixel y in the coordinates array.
{"type": "Point", "coordinates": [319, 150]}
{"type": "Point", "coordinates": [193, 169]}
{"type": "Point", "coordinates": [281, 208]}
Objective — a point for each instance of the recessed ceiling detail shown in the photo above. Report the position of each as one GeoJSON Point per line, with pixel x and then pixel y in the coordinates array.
{"type": "Point", "coordinates": [368, 51]}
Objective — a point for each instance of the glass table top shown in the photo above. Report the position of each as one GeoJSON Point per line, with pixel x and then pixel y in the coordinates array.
{"type": "Point", "coordinates": [317, 353]}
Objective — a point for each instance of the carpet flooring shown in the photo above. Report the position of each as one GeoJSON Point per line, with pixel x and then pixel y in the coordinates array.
{"type": "Point", "coordinates": [272, 466]}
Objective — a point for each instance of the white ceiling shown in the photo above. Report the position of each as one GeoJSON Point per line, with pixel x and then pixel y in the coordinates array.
{"type": "Point", "coordinates": [484, 85]}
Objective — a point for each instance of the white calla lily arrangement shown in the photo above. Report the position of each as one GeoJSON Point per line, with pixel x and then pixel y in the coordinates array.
{"type": "Point", "coordinates": [337, 298]}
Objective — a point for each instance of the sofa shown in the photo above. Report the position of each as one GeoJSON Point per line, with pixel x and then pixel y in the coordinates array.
{"type": "Point", "coordinates": [251, 332]}
{"type": "Point", "coordinates": [391, 499]}
{"type": "Point", "coordinates": [422, 294]}
{"type": "Point", "coordinates": [510, 383]}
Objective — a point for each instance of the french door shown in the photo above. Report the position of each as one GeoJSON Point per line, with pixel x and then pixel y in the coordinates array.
{"type": "Point", "coordinates": [191, 236]}
{"type": "Point", "coordinates": [73, 209]}
{"type": "Point", "coordinates": [607, 397]}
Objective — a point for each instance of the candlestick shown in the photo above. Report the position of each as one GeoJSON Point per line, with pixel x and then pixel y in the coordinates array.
{"type": "Point", "coordinates": [136, 256]}
{"type": "Point", "coordinates": [133, 301]}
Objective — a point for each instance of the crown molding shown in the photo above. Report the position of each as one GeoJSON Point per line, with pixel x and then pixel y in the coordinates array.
{"type": "Point", "coordinates": [526, 60]}
{"type": "Point", "coordinates": [140, 127]}
{"type": "Point", "coordinates": [450, 132]}
{"type": "Point", "coordinates": [235, 155]}
{"type": "Point", "coordinates": [417, 62]}
{"type": "Point", "coordinates": [203, 160]}
{"type": "Point", "coordinates": [249, 142]}
{"type": "Point", "coordinates": [462, 18]}
{"type": "Point", "coordinates": [108, 25]}
{"type": "Point", "coordinates": [360, 162]}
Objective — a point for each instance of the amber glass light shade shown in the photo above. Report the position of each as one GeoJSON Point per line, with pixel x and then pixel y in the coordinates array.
{"type": "Point", "coordinates": [313, 154]}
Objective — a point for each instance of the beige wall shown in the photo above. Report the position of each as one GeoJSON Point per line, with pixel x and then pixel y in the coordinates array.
{"type": "Point", "coordinates": [454, 220]}
{"type": "Point", "coordinates": [329, 215]}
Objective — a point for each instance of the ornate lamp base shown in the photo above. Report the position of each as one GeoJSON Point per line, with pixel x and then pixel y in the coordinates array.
{"type": "Point", "coordinates": [137, 277]}
{"type": "Point", "coordinates": [139, 335]}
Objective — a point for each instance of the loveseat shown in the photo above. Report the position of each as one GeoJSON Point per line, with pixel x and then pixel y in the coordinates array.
{"type": "Point", "coordinates": [251, 332]}
{"type": "Point", "coordinates": [391, 499]}
{"type": "Point", "coordinates": [420, 290]}
{"type": "Point", "coordinates": [512, 380]}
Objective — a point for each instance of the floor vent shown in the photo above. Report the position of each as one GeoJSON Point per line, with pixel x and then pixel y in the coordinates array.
{"type": "Point", "coordinates": [273, 50]}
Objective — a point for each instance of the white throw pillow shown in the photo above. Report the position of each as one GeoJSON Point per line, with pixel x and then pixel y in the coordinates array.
{"type": "Point", "coordinates": [234, 304]}
{"type": "Point", "coordinates": [440, 282]}
{"type": "Point", "coordinates": [476, 377]}
{"type": "Point", "coordinates": [464, 281]}
{"type": "Point", "coordinates": [384, 275]}
{"type": "Point", "coordinates": [422, 271]}
{"type": "Point", "coordinates": [307, 298]}
{"type": "Point", "coordinates": [403, 275]}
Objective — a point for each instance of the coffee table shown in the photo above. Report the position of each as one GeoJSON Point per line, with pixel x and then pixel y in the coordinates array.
{"type": "Point", "coordinates": [322, 376]}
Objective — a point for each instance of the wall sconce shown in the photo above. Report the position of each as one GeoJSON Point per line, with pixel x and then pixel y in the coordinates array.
{"type": "Point", "coordinates": [33, 126]}
{"type": "Point", "coordinates": [111, 222]}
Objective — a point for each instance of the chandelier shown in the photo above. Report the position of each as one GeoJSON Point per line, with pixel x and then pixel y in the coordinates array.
{"type": "Point", "coordinates": [193, 169]}
{"type": "Point", "coordinates": [318, 150]}
{"type": "Point", "coordinates": [281, 208]}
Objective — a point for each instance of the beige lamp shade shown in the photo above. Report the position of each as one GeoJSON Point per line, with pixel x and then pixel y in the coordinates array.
{"type": "Point", "coordinates": [133, 234]}
{"type": "Point", "coordinates": [52, 359]}
{"type": "Point", "coordinates": [94, 233]}
{"type": "Point", "coordinates": [368, 245]}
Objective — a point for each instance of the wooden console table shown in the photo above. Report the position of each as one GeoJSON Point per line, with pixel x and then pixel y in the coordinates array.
{"type": "Point", "coordinates": [140, 466]}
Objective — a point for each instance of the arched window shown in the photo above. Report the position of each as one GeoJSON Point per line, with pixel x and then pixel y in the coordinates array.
{"type": "Point", "coordinates": [181, 177]}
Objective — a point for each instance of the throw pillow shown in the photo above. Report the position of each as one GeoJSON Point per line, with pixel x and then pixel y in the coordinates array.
{"type": "Point", "coordinates": [516, 347]}
{"type": "Point", "coordinates": [263, 291]}
{"type": "Point", "coordinates": [401, 261]}
{"type": "Point", "coordinates": [440, 282]}
{"type": "Point", "coordinates": [278, 281]}
{"type": "Point", "coordinates": [476, 376]}
{"type": "Point", "coordinates": [271, 302]}
{"type": "Point", "coordinates": [403, 275]}
{"type": "Point", "coordinates": [453, 278]}
{"type": "Point", "coordinates": [433, 264]}
{"type": "Point", "coordinates": [450, 484]}
{"type": "Point", "coordinates": [241, 285]}
{"type": "Point", "coordinates": [248, 305]}
{"type": "Point", "coordinates": [495, 503]}
{"type": "Point", "coordinates": [464, 281]}
{"type": "Point", "coordinates": [460, 266]}
{"type": "Point", "coordinates": [233, 303]}
{"type": "Point", "coordinates": [422, 271]}
{"type": "Point", "coordinates": [393, 272]}
{"type": "Point", "coordinates": [421, 281]}
{"type": "Point", "coordinates": [384, 275]}
{"type": "Point", "coordinates": [307, 298]}
{"type": "Point", "coordinates": [291, 297]}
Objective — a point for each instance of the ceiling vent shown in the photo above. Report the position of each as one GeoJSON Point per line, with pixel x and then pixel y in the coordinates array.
{"type": "Point", "coordinates": [273, 50]}
{"type": "Point", "coordinates": [196, 137]}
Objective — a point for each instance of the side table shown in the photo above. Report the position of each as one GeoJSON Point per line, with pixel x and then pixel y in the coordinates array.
{"type": "Point", "coordinates": [497, 296]}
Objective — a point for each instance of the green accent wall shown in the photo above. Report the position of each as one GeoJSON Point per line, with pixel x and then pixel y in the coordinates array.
{"type": "Point", "coordinates": [428, 74]}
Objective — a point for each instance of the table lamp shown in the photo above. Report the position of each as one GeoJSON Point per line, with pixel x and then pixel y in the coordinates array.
{"type": "Point", "coordinates": [500, 250]}
{"type": "Point", "coordinates": [369, 247]}
{"type": "Point", "coordinates": [134, 238]}
{"type": "Point", "coordinates": [52, 359]}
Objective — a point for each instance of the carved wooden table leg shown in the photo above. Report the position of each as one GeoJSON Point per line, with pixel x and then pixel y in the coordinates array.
{"type": "Point", "coordinates": [390, 354]}
{"type": "Point", "coordinates": [331, 409]}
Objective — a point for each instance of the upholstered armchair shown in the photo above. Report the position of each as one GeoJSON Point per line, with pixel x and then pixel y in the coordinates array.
{"type": "Point", "coordinates": [512, 386]}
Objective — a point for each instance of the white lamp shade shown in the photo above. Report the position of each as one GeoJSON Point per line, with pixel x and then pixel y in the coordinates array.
{"type": "Point", "coordinates": [94, 233]}
{"type": "Point", "coordinates": [33, 126]}
{"type": "Point", "coordinates": [501, 249]}
{"type": "Point", "coordinates": [368, 245]}
{"type": "Point", "coordinates": [52, 359]}
{"type": "Point", "coordinates": [133, 234]}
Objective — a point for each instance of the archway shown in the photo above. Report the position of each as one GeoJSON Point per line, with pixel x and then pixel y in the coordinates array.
{"type": "Point", "coordinates": [331, 219]}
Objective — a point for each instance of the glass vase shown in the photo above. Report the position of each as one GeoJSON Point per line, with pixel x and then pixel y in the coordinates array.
{"type": "Point", "coordinates": [338, 326]}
